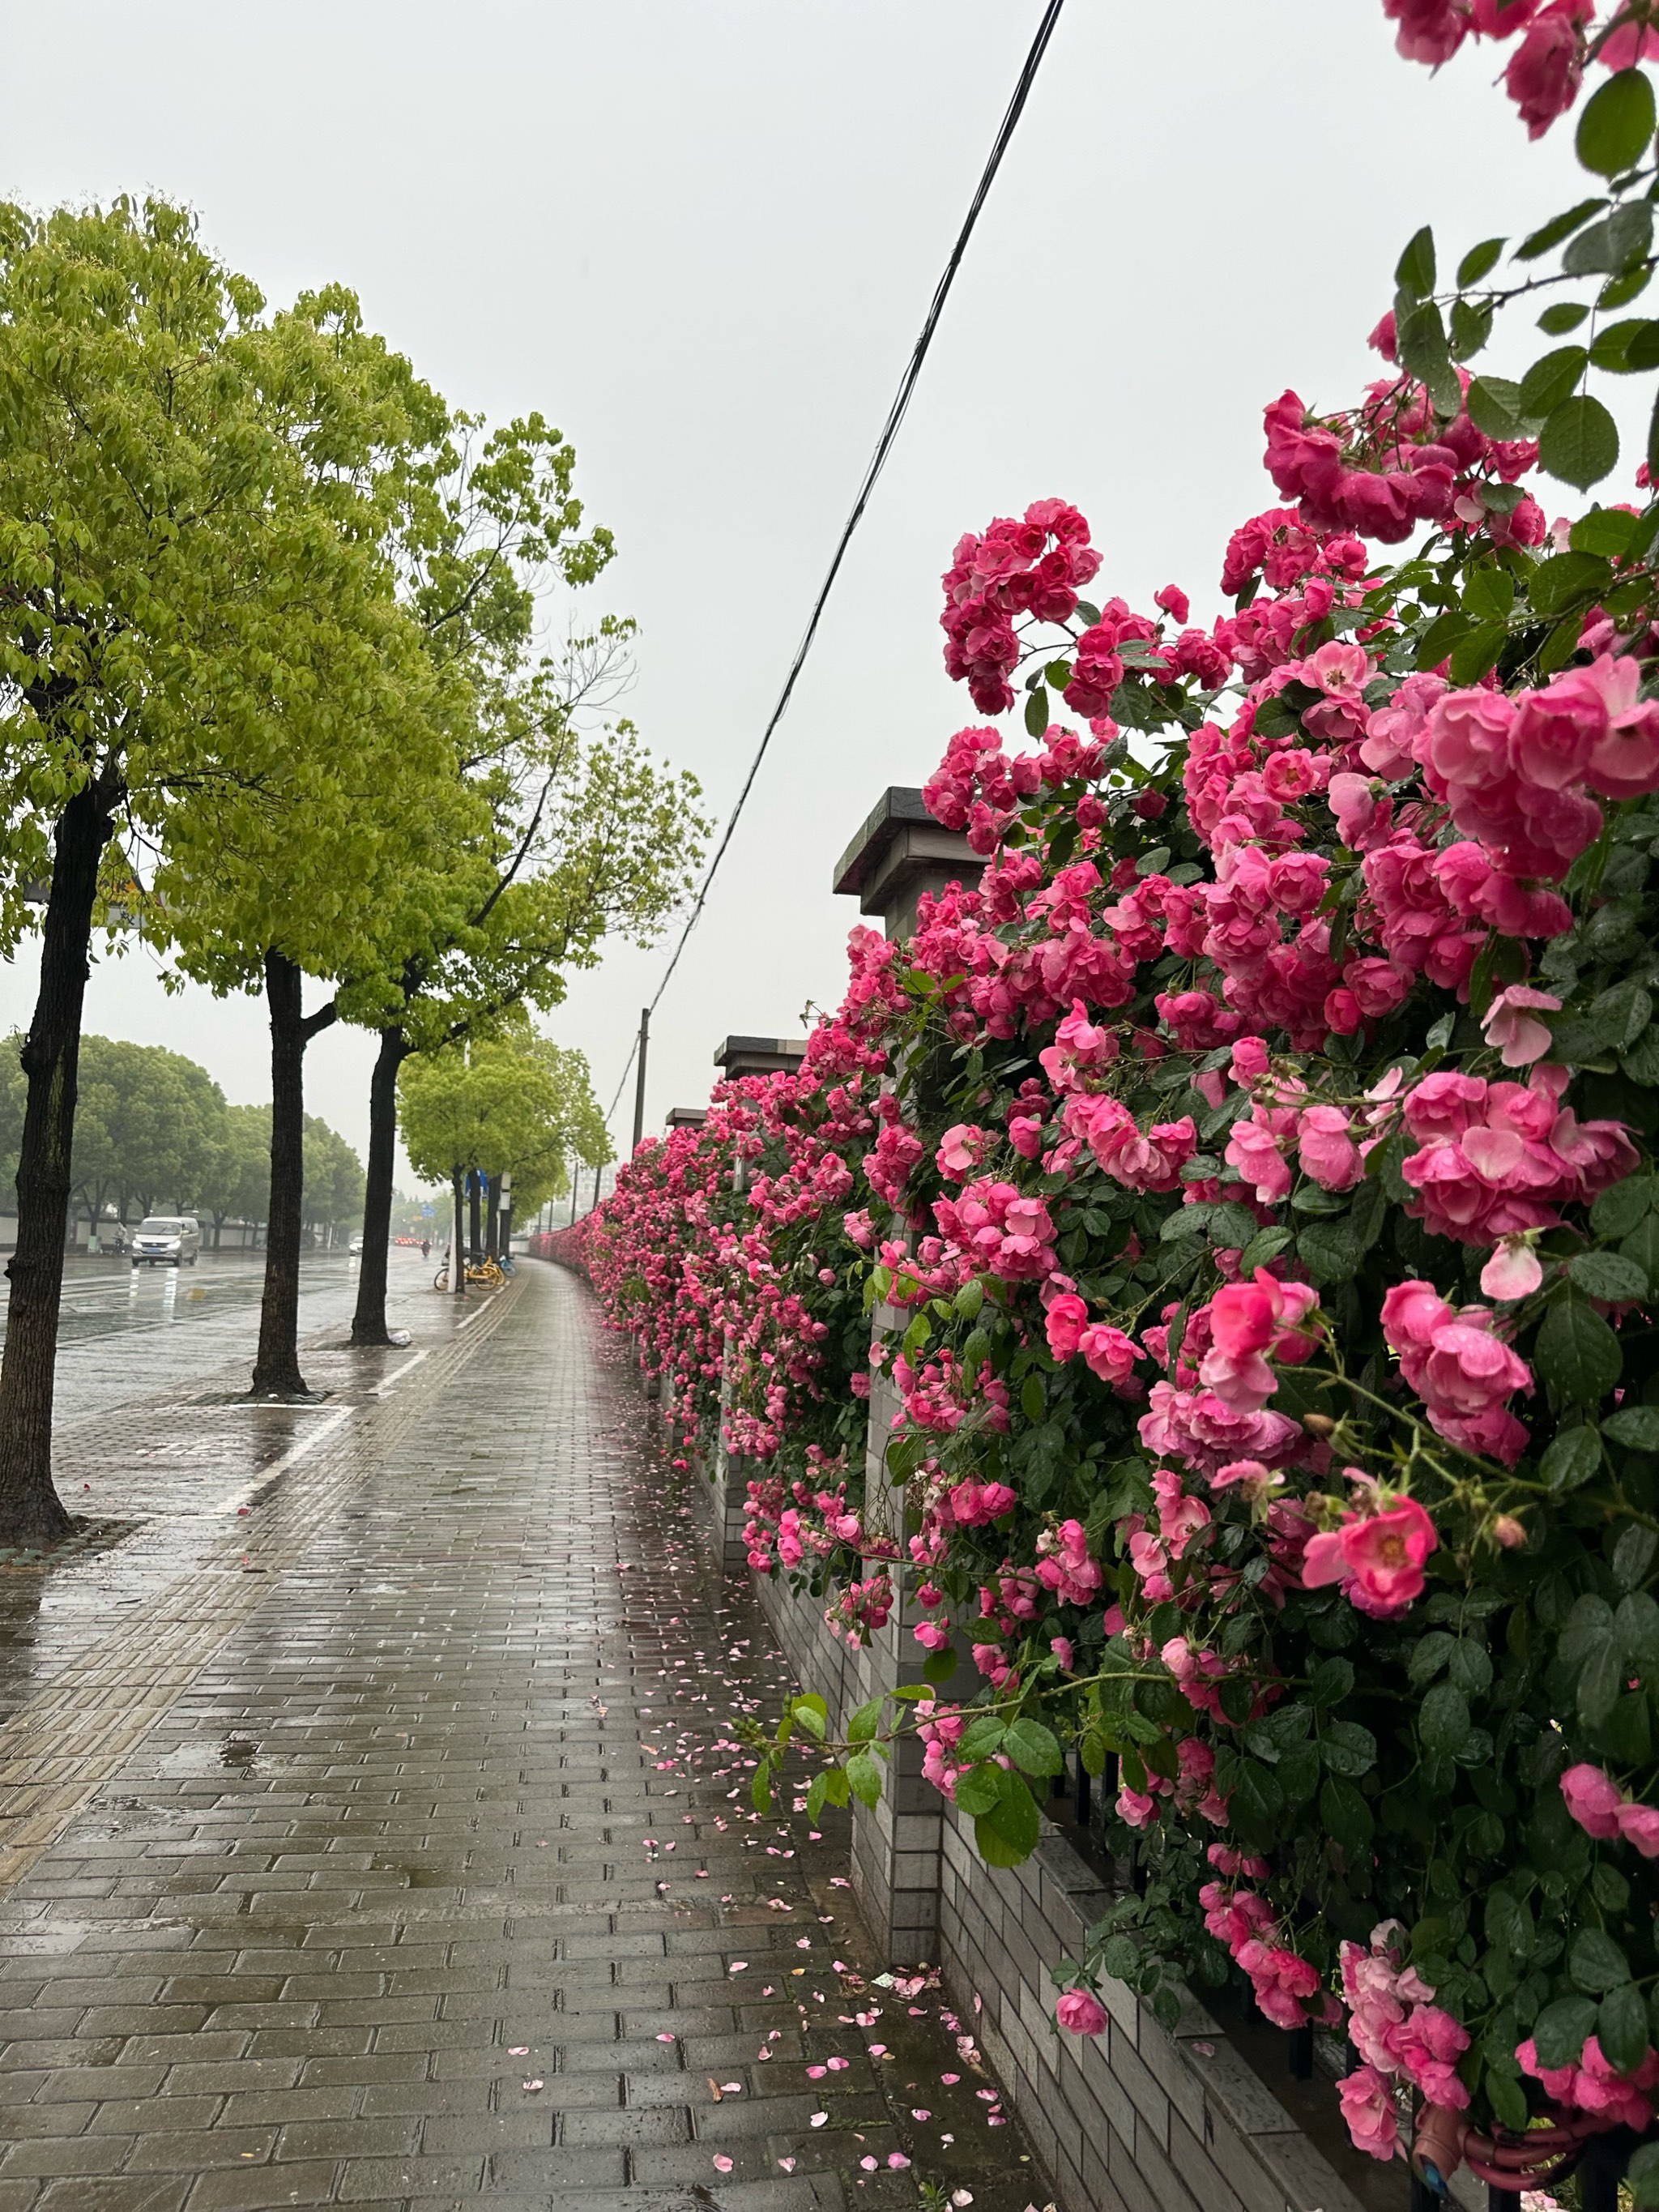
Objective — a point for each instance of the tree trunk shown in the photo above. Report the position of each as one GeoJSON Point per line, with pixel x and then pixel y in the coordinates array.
{"type": "Point", "coordinates": [475, 1246]}
{"type": "Point", "coordinates": [369, 1322]}
{"type": "Point", "coordinates": [31, 1512]}
{"type": "Point", "coordinates": [458, 1240]}
{"type": "Point", "coordinates": [493, 1220]}
{"type": "Point", "coordinates": [276, 1365]}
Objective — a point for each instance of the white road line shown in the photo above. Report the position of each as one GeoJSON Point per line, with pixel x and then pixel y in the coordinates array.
{"type": "Point", "coordinates": [296, 1451]}
{"type": "Point", "coordinates": [386, 1381]}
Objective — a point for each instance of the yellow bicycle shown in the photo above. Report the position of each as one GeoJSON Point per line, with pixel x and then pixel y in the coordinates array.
{"type": "Point", "coordinates": [487, 1272]}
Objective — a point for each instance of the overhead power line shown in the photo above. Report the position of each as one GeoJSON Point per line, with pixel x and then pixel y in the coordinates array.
{"type": "Point", "coordinates": [896, 415]}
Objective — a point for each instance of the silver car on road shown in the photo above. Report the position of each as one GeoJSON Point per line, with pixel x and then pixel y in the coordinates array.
{"type": "Point", "coordinates": [167, 1240]}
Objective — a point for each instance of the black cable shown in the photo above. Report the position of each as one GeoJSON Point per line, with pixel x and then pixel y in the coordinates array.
{"type": "Point", "coordinates": [896, 415]}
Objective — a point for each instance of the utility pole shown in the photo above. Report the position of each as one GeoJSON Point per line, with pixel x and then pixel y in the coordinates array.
{"type": "Point", "coordinates": [575, 1190]}
{"type": "Point", "coordinates": [639, 1082]}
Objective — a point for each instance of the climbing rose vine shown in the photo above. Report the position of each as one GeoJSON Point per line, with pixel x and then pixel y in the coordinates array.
{"type": "Point", "coordinates": [1237, 1208]}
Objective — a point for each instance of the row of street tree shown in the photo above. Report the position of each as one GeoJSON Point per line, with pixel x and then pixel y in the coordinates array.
{"type": "Point", "coordinates": [278, 696]}
{"type": "Point", "coordinates": [513, 1115]}
{"type": "Point", "coordinates": [154, 1133]}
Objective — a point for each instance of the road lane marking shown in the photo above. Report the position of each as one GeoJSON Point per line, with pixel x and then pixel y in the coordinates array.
{"type": "Point", "coordinates": [383, 1388]}
{"type": "Point", "coordinates": [294, 1452]}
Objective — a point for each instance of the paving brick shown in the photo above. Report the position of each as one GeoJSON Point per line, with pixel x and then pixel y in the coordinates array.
{"type": "Point", "coordinates": [301, 1979]}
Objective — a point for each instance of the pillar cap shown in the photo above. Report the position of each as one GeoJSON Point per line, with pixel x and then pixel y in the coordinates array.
{"type": "Point", "coordinates": [751, 1055]}
{"type": "Point", "coordinates": [900, 851]}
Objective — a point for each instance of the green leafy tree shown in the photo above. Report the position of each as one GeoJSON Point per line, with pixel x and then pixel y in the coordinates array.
{"type": "Point", "coordinates": [190, 585]}
{"type": "Point", "coordinates": [237, 1185]}
{"type": "Point", "coordinates": [301, 872]}
{"type": "Point", "coordinates": [481, 1110]}
{"type": "Point", "coordinates": [579, 834]}
{"type": "Point", "coordinates": [333, 1194]}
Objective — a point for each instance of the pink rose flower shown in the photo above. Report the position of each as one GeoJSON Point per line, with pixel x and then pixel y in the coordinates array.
{"type": "Point", "coordinates": [1067, 1317]}
{"type": "Point", "coordinates": [1079, 2012]}
{"type": "Point", "coordinates": [1368, 2107]}
{"type": "Point", "coordinates": [1640, 1825]}
{"type": "Point", "coordinates": [1107, 1352]}
{"type": "Point", "coordinates": [1326, 1149]}
{"type": "Point", "coordinates": [1248, 1061]}
{"type": "Point", "coordinates": [1378, 1556]}
{"type": "Point", "coordinates": [1514, 1270]}
{"type": "Point", "coordinates": [961, 1151]}
{"type": "Point", "coordinates": [1546, 70]}
{"type": "Point", "coordinates": [1593, 1799]}
{"type": "Point", "coordinates": [1509, 1026]}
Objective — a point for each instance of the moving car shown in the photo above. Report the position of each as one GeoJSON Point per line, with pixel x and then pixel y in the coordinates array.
{"type": "Point", "coordinates": [356, 1245]}
{"type": "Point", "coordinates": [167, 1240]}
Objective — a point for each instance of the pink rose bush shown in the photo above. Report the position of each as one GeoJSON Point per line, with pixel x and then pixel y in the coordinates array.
{"type": "Point", "coordinates": [1228, 1218]}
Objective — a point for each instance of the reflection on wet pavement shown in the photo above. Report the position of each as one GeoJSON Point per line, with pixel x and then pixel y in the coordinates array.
{"type": "Point", "coordinates": [151, 1430]}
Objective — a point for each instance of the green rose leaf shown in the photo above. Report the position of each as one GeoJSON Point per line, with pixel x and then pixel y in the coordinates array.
{"type": "Point", "coordinates": [1635, 1426]}
{"type": "Point", "coordinates": [1414, 271]}
{"type": "Point", "coordinates": [1257, 1800]}
{"type": "Point", "coordinates": [1007, 1835]}
{"type": "Point", "coordinates": [864, 1775]}
{"type": "Point", "coordinates": [1494, 405]}
{"type": "Point", "coordinates": [1642, 2176]}
{"type": "Point", "coordinates": [1572, 1458]}
{"type": "Point", "coordinates": [982, 1739]}
{"type": "Point", "coordinates": [1507, 2099]}
{"type": "Point", "coordinates": [1470, 1668]}
{"type": "Point", "coordinates": [1346, 1815]}
{"type": "Point", "coordinates": [1577, 1354]}
{"type": "Point", "coordinates": [1490, 594]}
{"type": "Point", "coordinates": [1641, 1245]}
{"type": "Point", "coordinates": [1616, 127]}
{"type": "Point", "coordinates": [1430, 1655]}
{"type": "Point", "coordinates": [1621, 1014]}
{"type": "Point", "coordinates": [1565, 577]}
{"type": "Point", "coordinates": [1551, 380]}
{"type": "Point", "coordinates": [1607, 1276]}
{"type": "Point", "coordinates": [1033, 1748]}
{"type": "Point", "coordinates": [1477, 261]}
{"type": "Point", "coordinates": [1443, 1722]}
{"type": "Point", "coordinates": [1348, 1748]}
{"type": "Point", "coordinates": [1596, 1961]}
{"type": "Point", "coordinates": [1632, 1556]}
{"type": "Point", "coordinates": [1619, 1208]}
{"type": "Point", "coordinates": [980, 1788]}
{"type": "Point", "coordinates": [1605, 531]}
{"type": "Point", "coordinates": [1579, 442]}
{"type": "Point", "coordinates": [1560, 2031]}
{"type": "Point", "coordinates": [1558, 227]}
{"type": "Point", "coordinates": [1332, 1680]}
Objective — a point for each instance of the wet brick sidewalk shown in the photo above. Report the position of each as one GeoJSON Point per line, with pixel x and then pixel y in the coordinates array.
{"type": "Point", "coordinates": [436, 1881]}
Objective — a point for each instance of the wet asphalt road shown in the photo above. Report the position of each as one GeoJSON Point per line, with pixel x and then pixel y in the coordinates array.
{"type": "Point", "coordinates": [156, 1444]}
{"type": "Point", "coordinates": [127, 1332]}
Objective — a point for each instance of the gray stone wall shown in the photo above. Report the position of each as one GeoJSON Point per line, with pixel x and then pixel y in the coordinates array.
{"type": "Point", "coordinates": [1133, 2121]}
{"type": "Point", "coordinates": [1136, 2120]}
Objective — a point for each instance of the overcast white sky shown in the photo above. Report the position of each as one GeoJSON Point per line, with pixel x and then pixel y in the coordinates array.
{"type": "Point", "coordinates": [700, 235]}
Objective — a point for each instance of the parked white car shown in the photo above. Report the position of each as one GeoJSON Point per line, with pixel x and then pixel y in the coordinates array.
{"type": "Point", "coordinates": [167, 1240]}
